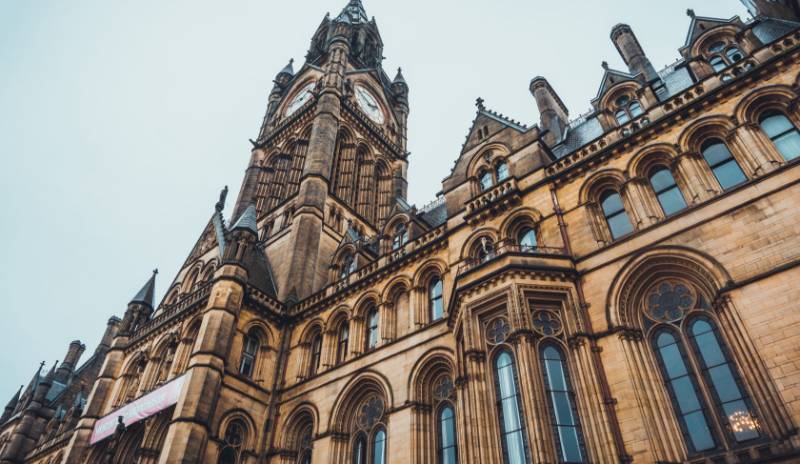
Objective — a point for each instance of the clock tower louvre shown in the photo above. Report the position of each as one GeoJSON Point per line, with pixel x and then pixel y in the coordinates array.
{"type": "Point", "coordinates": [330, 158]}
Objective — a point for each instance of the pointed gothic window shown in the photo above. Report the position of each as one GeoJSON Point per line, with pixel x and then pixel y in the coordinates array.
{"type": "Point", "coordinates": [379, 447]}
{"type": "Point", "coordinates": [435, 300]}
{"type": "Point", "coordinates": [509, 410]}
{"type": "Point", "coordinates": [783, 133]}
{"type": "Point", "coordinates": [249, 353]}
{"type": "Point", "coordinates": [669, 195]}
{"type": "Point", "coordinates": [563, 413]}
{"type": "Point", "coordinates": [373, 320]}
{"type": "Point", "coordinates": [316, 354]}
{"type": "Point", "coordinates": [360, 449]}
{"type": "Point", "coordinates": [341, 342]}
{"type": "Point", "coordinates": [722, 164]}
{"type": "Point", "coordinates": [232, 443]}
{"type": "Point", "coordinates": [447, 435]}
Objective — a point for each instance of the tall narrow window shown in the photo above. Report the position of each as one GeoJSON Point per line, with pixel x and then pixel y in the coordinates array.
{"type": "Point", "coordinates": [360, 450]}
{"type": "Point", "coordinates": [341, 343]}
{"type": "Point", "coordinates": [448, 453]}
{"type": "Point", "coordinates": [348, 266]}
{"type": "Point", "coordinates": [512, 427]}
{"type": "Point", "coordinates": [435, 301]}
{"type": "Point", "coordinates": [667, 191]}
{"type": "Point", "coordinates": [614, 212]}
{"type": "Point", "coordinates": [373, 320]}
{"type": "Point", "coordinates": [723, 164]}
{"type": "Point", "coordinates": [563, 412]}
{"type": "Point", "coordinates": [635, 109]}
{"type": "Point", "coordinates": [782, 133]}
{"type": "Point", "coordinates": [527, 239]}
{"type": "Point", "coordinates": [379, 447]}
{"type": "Point", "coordinates": [682, 388]}
{"type": "Point", "coordinates": [316, 354]}
{"type": "Point", "coordinates": [486, 180]}
{"type": "Point", "coordinates": [501, 171]}
{"type": "Point", "coordinates": [249, 353]}
{"type": "Point", "coordinates": [400, 236]}
{"type": "Point", "coordinates": [718, 372]}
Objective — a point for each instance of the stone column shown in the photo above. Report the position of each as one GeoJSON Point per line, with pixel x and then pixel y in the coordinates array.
{"type": "Point", "coordinates": [187, 437]}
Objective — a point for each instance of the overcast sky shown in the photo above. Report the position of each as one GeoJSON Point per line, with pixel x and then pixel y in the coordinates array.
{"type": "Point", "coordinates": [121, 121]}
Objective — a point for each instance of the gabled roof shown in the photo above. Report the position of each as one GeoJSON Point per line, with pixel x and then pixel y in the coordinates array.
{"type": "Point", "coordinates": [700, 24]}
{"type": "Point", "coordinates": [247, 221]}
{"type": "Point", "coordinates": [492, 120]}
{"type": "Point", "coordinates": [610, 78]}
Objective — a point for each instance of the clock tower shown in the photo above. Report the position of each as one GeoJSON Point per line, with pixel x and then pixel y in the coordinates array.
{"type": "Point", "coordinates": [329, 164]}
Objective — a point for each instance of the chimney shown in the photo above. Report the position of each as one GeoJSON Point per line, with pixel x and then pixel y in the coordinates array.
{"type": "Point", "coordinates": [632, 53]}
{"type": "Point", "coordinates": [553, 114]}
{"type": "Point", "coordinates": [67, 367]}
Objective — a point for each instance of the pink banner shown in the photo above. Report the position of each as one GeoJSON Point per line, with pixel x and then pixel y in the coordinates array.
{"type": "Point", "coordinates": [140, 409]}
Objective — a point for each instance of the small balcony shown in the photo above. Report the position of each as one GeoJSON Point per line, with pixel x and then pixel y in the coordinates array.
{"type": "Point", "coordinates": [492, 202]}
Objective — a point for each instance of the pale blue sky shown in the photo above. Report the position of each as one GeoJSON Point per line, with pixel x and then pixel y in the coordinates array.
{"type": "Point", "coordinates": [120, 122]}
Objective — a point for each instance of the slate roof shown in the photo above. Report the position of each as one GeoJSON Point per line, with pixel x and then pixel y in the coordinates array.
{"type": "Point", "coordinates": [435, 216]}
{"type": "Point", "coordinates": [769, 30]}
{"type": "Point", "coordinates": [147, 293]}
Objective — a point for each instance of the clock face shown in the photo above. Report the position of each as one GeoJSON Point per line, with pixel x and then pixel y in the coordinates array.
{"type": "Point", "coordinates": [369, 104]}
{"type": "Point", "coordinates": [300, 99]}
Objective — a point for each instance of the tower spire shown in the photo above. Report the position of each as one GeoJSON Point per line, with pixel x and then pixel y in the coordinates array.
{"type": "Point", "coordinates": [354, 12]}
{"type": "Point", "coordinates": [146, 295]}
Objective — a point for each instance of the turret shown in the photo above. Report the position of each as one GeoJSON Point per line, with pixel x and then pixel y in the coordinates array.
{"type": "Point", "coordinates": [40, 393]}
{"type": "Point", "coordinates": [632, 53]}
{"type": "Point", "coordinates": [141, 306]}
{"type": "Point", "coordinates": [67, 367]}
{"type": "Point", "coordinates": [553, 114]}
{"type": "Point", "coordinates": [782, 9]}
{"type": "Point", "coordinates": [108, 336]}
{"type": "Point", "coordinates": [400, 94]}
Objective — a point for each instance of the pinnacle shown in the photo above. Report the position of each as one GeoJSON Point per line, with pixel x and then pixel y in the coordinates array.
{"type": "Point", "coordinates": [147, 294]}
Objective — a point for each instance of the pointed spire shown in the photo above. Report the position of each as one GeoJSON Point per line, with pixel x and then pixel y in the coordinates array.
{"type": "Point", "coordinates": [288, 69]}
{"type": "Point", "coordinates": [399, 79]}
{"type": "Point", "coordinates": [353, 13]}
{"type": "Point", "coordinates": [50, 374]}
{"type": "Point", "coordinates": [247, 220]}
{"type": "Point", "coordinates": [147, 294]}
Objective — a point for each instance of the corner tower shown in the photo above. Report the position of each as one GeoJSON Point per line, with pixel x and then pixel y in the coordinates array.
{"type": "Point", "coordinates": [330, 159]}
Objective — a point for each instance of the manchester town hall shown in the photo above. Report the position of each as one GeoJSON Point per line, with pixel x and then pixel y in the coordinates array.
{"type": "Point", "coordinates": [621, 286]}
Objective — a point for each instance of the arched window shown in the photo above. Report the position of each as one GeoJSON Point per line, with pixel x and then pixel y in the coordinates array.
{"type": "Point", "coordinates": [563, 413]}
{"type": "Point", "coordinates": [306, 445]}
{"type": "Point", "coordinates": [447, 451]}
{"type": "Point", "coordinates": [782, 133]}
{"type": "Point", "coordinates": [501, 171]}
{"type": "Point", "coordinates": [635, 109]}
{"type": "Point", "coordinates": [697, 370]}
{"type": "Point", "coordinates": [615, 214]}
{"type": "Point", "coordinates": [360, 450]}
{"type": "Point", "coordinates": [373, 320]}
{"type": "Point", "coordinates": [669, 195]}
{"type": "Point", "coordinates": [250, 348]}
{"type": "Point", "coordinates": [719, 373]}
{"type": "Point", "coordinates": [232, 443]}
{"type": "Point", "coordinates": [316, 354]}
{"type": "Point", "coordinates": [512, 425]}
{"type": "Point", "coordinates": [526, 238]}
{"type": "Point", "coordinates": [400, 237]}
{"type": "Point", "coordinates": [722, 164]}
{"type": "Point", "coordinates": [734, 55]}
{"type": "Point", "coordinates": [484, 250]}
{"type": "Point", "coordinates": [684, 393]}
{"type": "Point", "coordinates": [435, 300]}
{"type": "Point", "coordinates": [486, 180]}
{"type": "Point", "coordinates": [379, 447]}
{"type": "Point", "coordinates": [341, 342]}
{"type": "Point", "coordinates": [717, 63]}
{"type": "Point", "coordinates": [348, 266]}
{"type": "Point", "coordinates": [622, 117]}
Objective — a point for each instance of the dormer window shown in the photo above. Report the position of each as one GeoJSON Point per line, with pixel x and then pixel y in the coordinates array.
{"type": "Point", "coordinates": [400, 237]}
{"type": "Point", "coordinates": [348, 266]}
{"type": "Point", "coordinates": [627, 109]}
{"type": "Point", "coordinates": [720, 57]}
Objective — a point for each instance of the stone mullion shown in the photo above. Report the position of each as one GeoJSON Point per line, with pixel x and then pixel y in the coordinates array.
{"type": "Point", "coordinates": [596, 222]}
{"type": "Point", "coordinates": [755, 142]}
{"type": "Point", "coordinates": [534, 406]}
{"type": "Point", "coordinates": [635, 204]}
{"type": "Point", "coordinates": [329, 346]}
{"type": "Point", "coordinates": [703, 179]}
{"type": "Point", "coordinates": [757, 379]}
{"type": "Point", "coordinates": [594, 420]}
{"type": "Point", "coordinates": [388, 321]}
{"type": "Point", "coordinates": [303, 362]}
{"type": "Point", "coordinates": [746, 148]}
{"type": "Point", "coordinates": [356, 338]}
{"type": "Point", "coordinates": [666, 438]}
{"type": "Point", "coordinates": [686, 179]}
{"type": "Point", "coordinates": [421, 308]}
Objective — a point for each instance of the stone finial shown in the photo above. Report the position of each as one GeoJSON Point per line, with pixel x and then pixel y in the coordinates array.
{"type": "Point", "coordinates": [690, 13]}
{"type": "Point", "coordinates": [222, 196]}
